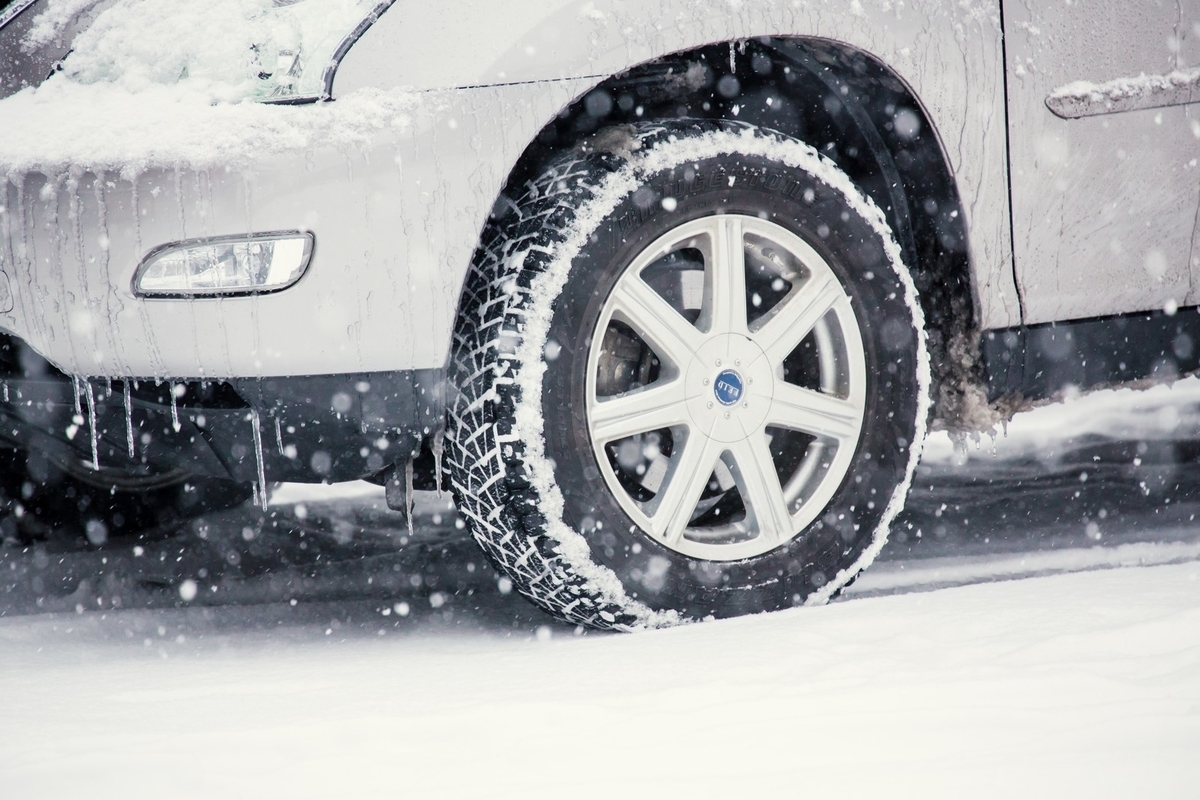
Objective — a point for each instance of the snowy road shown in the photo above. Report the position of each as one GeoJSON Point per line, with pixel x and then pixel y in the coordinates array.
{"type": "Point", "coordinates": [1083, 685]}
{"type": "Point", "coordinates": [989, 652]}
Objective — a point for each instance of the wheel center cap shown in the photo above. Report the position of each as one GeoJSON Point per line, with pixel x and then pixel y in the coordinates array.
{"type": "Point", "coordinates": [729, 387]}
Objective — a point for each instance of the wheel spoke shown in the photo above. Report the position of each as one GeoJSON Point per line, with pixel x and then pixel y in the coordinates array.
{"type": "Point", "coordinates": [725, 278]}
{"type": "Point", "coordinates": [659, 405]}
{"type": "Point", "coordinates": [816, 413]}
{"type": "Point", "coordinates": [793, 319]}
{"type": "Point", "coordinates": [671, 336]}
{"type": "Point", "coordinates": [689, 473]}
{"type": "Point", "coordinates": [761, 491]}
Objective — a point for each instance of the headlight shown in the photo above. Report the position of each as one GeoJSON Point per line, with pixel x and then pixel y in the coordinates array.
{"type": "Point", "coordinates": [228, 265]}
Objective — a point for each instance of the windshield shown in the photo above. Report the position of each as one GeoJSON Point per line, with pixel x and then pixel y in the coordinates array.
{"type": "Point", "coordinates": [230, 50]}
{"type": "Point", "coordinates": [10, 8]}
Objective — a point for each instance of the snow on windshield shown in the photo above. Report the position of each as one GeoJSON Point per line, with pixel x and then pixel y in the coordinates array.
{"type": "Point", "coordinates": [53, 19]}
{"type": "Point", "coordinates": [168, 83]}
{"type": "Point", "coordinates": [230, 49]}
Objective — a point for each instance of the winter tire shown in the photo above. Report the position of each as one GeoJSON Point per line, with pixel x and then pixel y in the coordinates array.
{"type": "Point", "coordinates": [692, 379]}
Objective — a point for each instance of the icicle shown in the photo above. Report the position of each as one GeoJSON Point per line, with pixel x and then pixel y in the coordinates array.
{"type": "Point", "coordinates": [258, 457]}
{"type": "Point", "coordinates": [91, 403]}
{"type": "Point", "coordinates": [439, 444]}
{"type": "Point", "coordinates": [6, 392]}
{"type": "Point", "coordinates": [278, 436]}
{"type": "Point", "coordinates": [179, 204]}
{"type": "Point", "coordinates": [174, 410]}
{"type": "Point", "coordinates": [105, 250]}
{"type": "Point", "coordinates": [78, 391]}
{"type": "Point", "coordinates": [408, 494]}
{"type": "Point", "coordinates": [128, 417]}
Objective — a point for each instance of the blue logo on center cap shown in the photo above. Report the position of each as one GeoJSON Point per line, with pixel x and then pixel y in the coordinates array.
{"type": "Point", "coordinates": [728, 387]}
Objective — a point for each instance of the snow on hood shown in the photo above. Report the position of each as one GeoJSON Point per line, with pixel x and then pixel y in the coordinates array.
{"type": "Point", "coordinates": [69, 127]}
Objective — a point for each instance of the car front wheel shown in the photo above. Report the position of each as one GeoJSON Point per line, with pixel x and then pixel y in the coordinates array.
{"type": "Point", "coordinates": [692, 379]}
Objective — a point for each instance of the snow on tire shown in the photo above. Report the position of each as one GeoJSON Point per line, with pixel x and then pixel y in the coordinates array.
{"type": "Point", "coordinates": [692, 379]}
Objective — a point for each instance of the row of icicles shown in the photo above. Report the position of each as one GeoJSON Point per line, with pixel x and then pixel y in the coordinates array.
{"type": "Point", "coordinates": [260, 486]}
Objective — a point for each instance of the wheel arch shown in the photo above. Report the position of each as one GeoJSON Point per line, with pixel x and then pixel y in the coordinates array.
{"type": "Point", "coordinates": [855, 110]}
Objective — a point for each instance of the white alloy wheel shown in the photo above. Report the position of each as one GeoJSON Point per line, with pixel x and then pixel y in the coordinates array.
{"type": "Point", "coordinates": [721, 391]}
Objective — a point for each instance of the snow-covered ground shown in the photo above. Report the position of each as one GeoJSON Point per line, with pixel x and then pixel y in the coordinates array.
{"type": "Point", "coordinates": [1082, 685]}
{"type": "Point", "coordinates": [1033, 628]}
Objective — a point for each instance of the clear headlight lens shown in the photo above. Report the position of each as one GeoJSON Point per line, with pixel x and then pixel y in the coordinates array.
{"type": "Point", "coordinates": [232, 265]}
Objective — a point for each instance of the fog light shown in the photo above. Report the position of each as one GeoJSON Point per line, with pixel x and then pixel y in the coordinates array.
{"type": "Point", "coordinates": [226, 265]}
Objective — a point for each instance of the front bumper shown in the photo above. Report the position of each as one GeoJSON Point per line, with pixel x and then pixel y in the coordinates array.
{"type": "Point", "coordinates": [306, 429]}
{"type": "Point", "coordinates": [396, 216]}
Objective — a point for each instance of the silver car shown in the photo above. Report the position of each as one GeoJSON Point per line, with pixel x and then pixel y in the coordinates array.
{"type": "Point", "coordinates": [667, 293]}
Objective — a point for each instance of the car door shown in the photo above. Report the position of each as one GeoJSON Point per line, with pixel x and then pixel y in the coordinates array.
{"type": "Point", "coordinates": [1104, 192]}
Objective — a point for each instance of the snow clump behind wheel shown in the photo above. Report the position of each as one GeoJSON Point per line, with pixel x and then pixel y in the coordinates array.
{"type": "Point", "coordinates": [692, 379]}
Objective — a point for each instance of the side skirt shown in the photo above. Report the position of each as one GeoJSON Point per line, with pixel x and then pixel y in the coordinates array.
{"type": "Point", "coordinates": [1036, 362]}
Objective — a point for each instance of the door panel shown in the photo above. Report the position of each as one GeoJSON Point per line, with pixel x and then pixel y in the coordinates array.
{"type": "Point", "coordinates": [1104, 207]}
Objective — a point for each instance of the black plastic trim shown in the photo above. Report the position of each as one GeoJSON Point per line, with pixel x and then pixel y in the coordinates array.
{"type": "Point", "coordinates": [1039, 361]}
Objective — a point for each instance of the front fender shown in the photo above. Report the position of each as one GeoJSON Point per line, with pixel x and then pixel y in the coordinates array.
{"type": "Point", "coordinates": [949, 53]}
